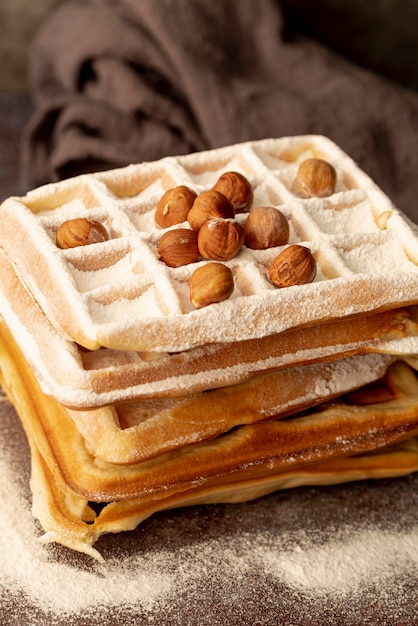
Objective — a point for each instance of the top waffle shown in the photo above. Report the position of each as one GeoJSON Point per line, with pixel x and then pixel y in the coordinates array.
{"type": "Point", "coordinates": [119, 294]}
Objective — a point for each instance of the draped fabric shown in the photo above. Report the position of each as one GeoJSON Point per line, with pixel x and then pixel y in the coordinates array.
{"type": "Point", "coordinates": [121, 81]}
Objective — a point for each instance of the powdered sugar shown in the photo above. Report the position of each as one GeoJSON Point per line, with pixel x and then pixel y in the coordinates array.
{"type": "Point", "coordinates": [344, 565]}
{"type": "Point", "coordinates": [27, 567]}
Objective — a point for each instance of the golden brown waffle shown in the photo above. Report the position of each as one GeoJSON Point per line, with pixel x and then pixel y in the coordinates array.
{"type": "Point", "coordinates": [136, 431]}
{"type": "Point", "coordinates": [72, 521]}
{"type": "Point", "coordinates": [118, 294]}
{"type": "Point", "coordinates": [86, 379]}
{"type": "Point", "coordinates": [346, 439]}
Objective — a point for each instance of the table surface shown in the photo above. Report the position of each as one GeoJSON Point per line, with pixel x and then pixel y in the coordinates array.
{"type": "Point", "coordinates": [344, 555]}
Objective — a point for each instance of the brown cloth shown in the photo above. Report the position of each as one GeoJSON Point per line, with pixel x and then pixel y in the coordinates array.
{"type": "Point", "coordinates": [121, 81]}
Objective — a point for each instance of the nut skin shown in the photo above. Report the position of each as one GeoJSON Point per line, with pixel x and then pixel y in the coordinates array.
{"type": "Point", "coordinates": [174, 205]}
{"type": "Point", "coordinates": [209, 204]}
{"type": "Point", "coordinates": [295, 265]}
{"type": "Point", "coordinates": [266, 227]}
{"type": "Point", "coordinates": [315, 178]}
{"type": "Point", "coordinates": [210, 283]}
{"type": "Point", "coordinates": [237, 189]}
{"type": "Point", "coordinates": [178, 247]}
{"type": "Point", "coordinates": [80, 231]}
{"type": "Point", "coordinates": [220, 239]}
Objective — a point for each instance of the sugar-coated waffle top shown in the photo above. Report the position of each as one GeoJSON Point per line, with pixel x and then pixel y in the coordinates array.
{"type": "Point", "coordinates": [119, 294]}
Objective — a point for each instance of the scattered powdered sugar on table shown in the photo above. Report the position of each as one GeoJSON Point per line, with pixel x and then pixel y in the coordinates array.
{"type": "Point", "coordinates": [154, 579]}
{"type": "Point", "coordinates": [345, 565]}
{"type": "Point", "coordinates": [25, 566]}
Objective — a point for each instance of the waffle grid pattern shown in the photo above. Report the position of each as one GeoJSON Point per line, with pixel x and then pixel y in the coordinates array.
{"type": "Point", "coordinates": [118, 294]}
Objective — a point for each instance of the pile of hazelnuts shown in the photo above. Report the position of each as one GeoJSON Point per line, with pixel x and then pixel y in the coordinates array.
{"type": "Point", "coordinates": [215, 235]}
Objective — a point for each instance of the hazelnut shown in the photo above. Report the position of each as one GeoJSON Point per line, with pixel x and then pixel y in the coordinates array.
{"type": "Point", "coordinates": [174, 206]}
{"type": "Point", "coordinates": [210, 283]}
{"type": "Point", "coordinates": [209, 204]}
{"type": "Point", "coordinates": [80, 231]}
{"type": "Point", "coordinates": [295, 265]}
{"type": "Point", "coordinates": [315, 177]}
{"type": "Point", "coordinates": [178, 247]}
{"type": "Point", "coordinates": [220, 239]}
{"type": "Point", "coordinates": [237, 189]}
{"type": "Point", "coordinates": [266, 227]}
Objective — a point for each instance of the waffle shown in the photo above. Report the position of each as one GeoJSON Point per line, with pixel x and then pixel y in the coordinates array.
{"type": "Point", "coordinates": [118, 294]}
{"type": "Point", "coordinates": [370, 433]}
{"type": "Point", "coordinates": [83, 379]}
{"type": "Point", "coordinates": [133, 432]}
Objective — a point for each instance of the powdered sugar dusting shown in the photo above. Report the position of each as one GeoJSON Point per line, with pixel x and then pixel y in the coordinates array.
{"type": "Point", "coordinates": [343, 566]}
{"type": "Point", "coordinates": [55, 586]}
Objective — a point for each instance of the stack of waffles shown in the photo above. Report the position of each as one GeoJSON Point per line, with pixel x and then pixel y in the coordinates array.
{"type": "Point", "coordinates": [136, 399]}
